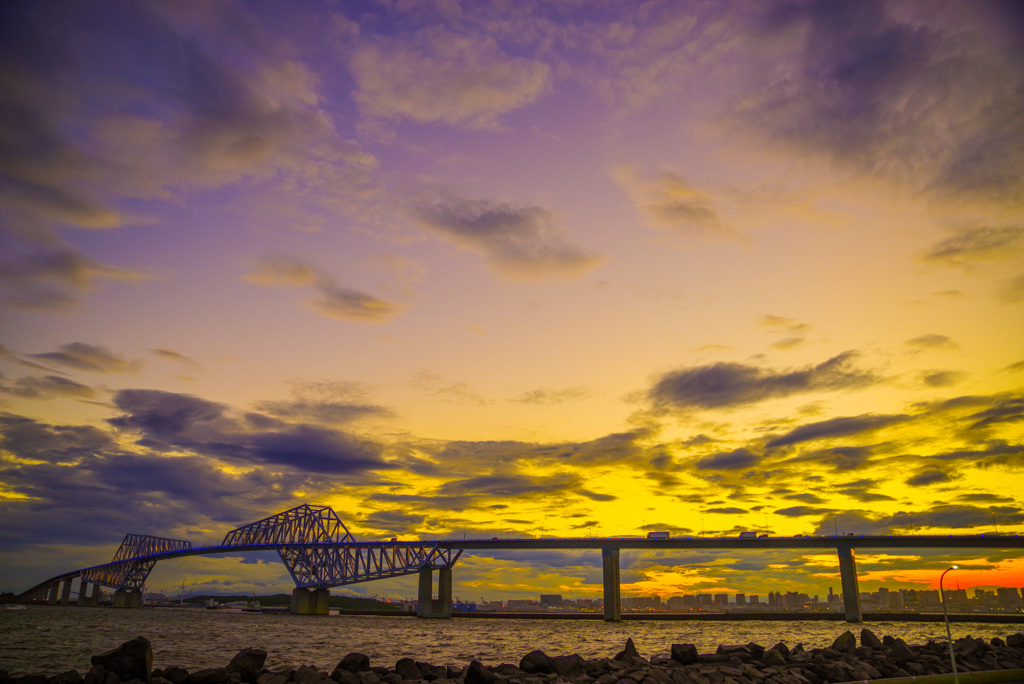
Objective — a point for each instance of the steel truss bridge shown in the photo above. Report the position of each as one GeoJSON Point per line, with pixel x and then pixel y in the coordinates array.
{"type": "Point", "coordinates": [319, 553]}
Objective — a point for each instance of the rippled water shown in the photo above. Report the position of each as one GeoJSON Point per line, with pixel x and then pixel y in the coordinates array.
{"type": "Point", "coordinates": [50, 639]}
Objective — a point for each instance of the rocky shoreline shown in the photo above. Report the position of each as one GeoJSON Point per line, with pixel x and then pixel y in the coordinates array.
{"type": "Point", "coordinates": [845, 661]}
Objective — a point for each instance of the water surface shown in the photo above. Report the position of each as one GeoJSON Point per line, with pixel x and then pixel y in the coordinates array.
{"type": "Point", "coordinates": [53, 639]}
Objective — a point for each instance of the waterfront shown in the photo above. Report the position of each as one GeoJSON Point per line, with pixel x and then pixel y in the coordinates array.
{"type": "Point", "coordinates": [49, 640]}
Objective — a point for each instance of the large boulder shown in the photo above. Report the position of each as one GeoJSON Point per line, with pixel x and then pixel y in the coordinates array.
{"type": "Point", "coordinates": [569, 666]}
{"type": "Point", "coordinates": [408, 669]}
{"type": "Point", "coordinates": [845, 643]}
{"type": "Point", "coordinates": [900, 651]}
{"type": "Point", "coordinates": [175, 675]}
{"type": "Point", "coordinates": [1015, 640]}
{"type": "Point", "coordinates": [213, 675]}
{"type": "Point", "coordinates": [307, 674]}
{"type": "Point", "coordinates": [69, 677]}
{"type": "Point", "coordinates": [248, 663]}
{"type": "Point", "coordinates": [537, 662]}
{"type": "Point", "coordinates": [869, 640]}
{"type": "Point", "coordinates": [131, 660]}
{"type": "Point", "coordinates": [340, 676]}
{"type": "Point", "coordinates": [772, 658]}
{"type": "Point", "coordinates": [685, 654]}
{"type": "Point", "coordinates": [432, 672]}
{"type": "Point", "coordinates": [629, 654]}
{"type": "Point", "coordinates": [354, 662]}
{"type": "Point", "coordinates": [476, 673]}
{"type": "Point", "coordinates": [98, 674]}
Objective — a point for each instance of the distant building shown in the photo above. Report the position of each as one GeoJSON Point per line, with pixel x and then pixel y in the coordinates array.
{"type": "Point", "coordinates": [553, 600]}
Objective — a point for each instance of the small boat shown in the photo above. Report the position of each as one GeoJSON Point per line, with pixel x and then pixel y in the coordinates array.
{"type": "Point", "coordinates": [252, 607]}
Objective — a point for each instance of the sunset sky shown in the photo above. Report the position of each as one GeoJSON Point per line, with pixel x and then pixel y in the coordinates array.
{"type": "Point", "coordinates": [572, 268]}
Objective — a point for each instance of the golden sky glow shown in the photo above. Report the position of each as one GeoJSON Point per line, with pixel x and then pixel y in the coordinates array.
{"type": "Point", "coordinates": [481, 269]}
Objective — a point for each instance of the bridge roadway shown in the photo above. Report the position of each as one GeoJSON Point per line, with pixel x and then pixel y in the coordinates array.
{"type": "Point", "coordinates": [610, 550]}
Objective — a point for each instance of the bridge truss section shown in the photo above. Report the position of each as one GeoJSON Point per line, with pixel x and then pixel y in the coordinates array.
{"type": "Point", "coordinates": [320, 552]}
{"type": "Point", "coordinates": [131, 565]}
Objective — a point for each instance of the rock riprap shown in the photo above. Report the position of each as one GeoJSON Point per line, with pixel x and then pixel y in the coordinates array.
{"type": "Point", "coordinates": [848, 659]}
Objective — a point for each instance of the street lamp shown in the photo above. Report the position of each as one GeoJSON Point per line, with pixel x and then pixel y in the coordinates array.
{"type": "Point", "coordinates": [836, 523]}
{"type": "Point", "coordinates": [945, 614]}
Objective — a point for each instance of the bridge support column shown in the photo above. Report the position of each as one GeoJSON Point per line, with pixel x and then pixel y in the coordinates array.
{"type": "Point", "coordinates": [65, 591]}
{"type": "Point", "coordinates": [54, 588]}
{"type": "Point", "coordinates": [300, 601]}
{"type": "Point", "coordinates": [127, 599]}
{"type": "Point", "coordinates": [320, 602]}
{"type": "Point", "coordinates": [851, 588]}
{"type": "Point", "coordinates": [612, 600]}
{"type": "Point", "coordinates": [427, 605]}
{"type": "Point", "coordinates": [84, 599]}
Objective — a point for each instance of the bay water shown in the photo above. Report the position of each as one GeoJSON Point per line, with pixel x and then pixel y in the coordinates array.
{"type": "Point", "coordinates": [52, 639]}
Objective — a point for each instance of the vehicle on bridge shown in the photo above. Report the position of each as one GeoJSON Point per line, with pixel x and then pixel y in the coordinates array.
{"type": "Point", "coordinates": [659, 535]}
{"type": "Point", "coordinates": [748, 535]}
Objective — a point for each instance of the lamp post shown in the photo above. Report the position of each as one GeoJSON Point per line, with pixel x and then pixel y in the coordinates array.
{"type": "Point", "coordinates": [945, 614]}
{"type": "Point", "coordinates": [836, 523]}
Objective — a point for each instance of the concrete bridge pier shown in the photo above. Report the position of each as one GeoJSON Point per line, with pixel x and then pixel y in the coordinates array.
{"type": "Point", "coordinates": [427, 605]}
{"type": "Point", "coordinates": [320, 601]}
{"type": "Point", "coordinates": [300, 601]}
{"type": "Point", "coordinates": [54, 588]}
{"type": "Point", "coordinates": [65, 592]}
{"type": "Point", "coordinates": [84, 598]}
{"type": "Point", "coordinates": [310, 601]}
{"type": "Point", "coordinates": [851, 588]}
{"type": "Point", "coordinates": [127, 599]}
{"type": "Point", "coordinates": [612, 599]}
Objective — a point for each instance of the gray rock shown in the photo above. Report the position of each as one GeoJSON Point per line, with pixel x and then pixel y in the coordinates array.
{"type": "Point", "coordinates": [569, 666]}
{"type": "Point", "coordinates": [756, 650]}
{"type": "Point", "coordinates": [900, 651]}
{"type": "Point", "coordinates": [407, 668]}
{"type": "Point", "coordinates": [307, 674]}
{"type": "Point", "coordinates": [781, 648]}
{"type": "Point", "coordinates": [272, 678]}
{"type": "Point", "coordinates": [175, 675]}
{"type": "Point", "coordinates": [845, 642]}
{"type": "Point", "coordinates": [685, 654]}
{"type": "Point", "coordinates": [248, 663]}
{"type": "Point", "coordinates": [354, 662]}
{"type": "Point", "coordinates": [342, 676]}
{"type": "Point", "coordinates": [996, 641]}
{"type": "Point", "coordinates": [629, 654]}
{"type": "Point", "coordinates": [211, 675]}
{"type": "Point", "coordinates": [507, 670]}
{"type": "Point", "coordinates": [740, 650]}
{"type": "Point", "coordinates": [1015, 640]}
{"type": "Point", "coordinates": [28, 679]}
{"type": "Point", "coordinates": [69, 677]}
{"type": "Point", "coordinates": [452, 672]}
{"type": "Point", "coordinates": [869, 640]}
{"type": "Point", "coordinates": [537, 662]}
{"type": "Point", "coordinates": [476, 673]}
{"type": "Point", "coordinates": [772, 658]}
{"type": "Point", "coordinates": [392, 678]}
{"type": "Point", "coordinates": [432, 672]}
{"type": "Point", "coordinates": [368, 677]}
{"type": "Point", "coordinates": [131, 660]}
